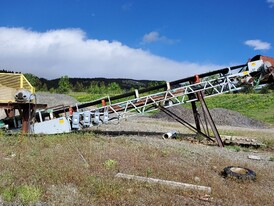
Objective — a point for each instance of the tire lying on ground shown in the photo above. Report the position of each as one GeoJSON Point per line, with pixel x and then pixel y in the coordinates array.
{"type": "Point", "coordinates": [239, 173]}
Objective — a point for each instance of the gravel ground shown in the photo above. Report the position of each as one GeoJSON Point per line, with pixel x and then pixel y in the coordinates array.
{"type": "Point", "coordinates": [220, 116]}
{"type": "Point", "coordinates": [156, 128]}
{"type": "Point", "coordinates": [200, 155]}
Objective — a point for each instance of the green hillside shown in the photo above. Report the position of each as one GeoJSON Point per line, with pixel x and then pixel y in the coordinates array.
{"type": "Point", "coordinates": [257, 106]}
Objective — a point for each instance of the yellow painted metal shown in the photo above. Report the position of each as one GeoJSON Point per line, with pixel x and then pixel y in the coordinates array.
{"type": "Point", "coordinates": [10, 83]}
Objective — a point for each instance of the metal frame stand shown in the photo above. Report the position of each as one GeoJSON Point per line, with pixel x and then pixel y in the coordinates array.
{"type": "Point", "coordinates": [207, 117]}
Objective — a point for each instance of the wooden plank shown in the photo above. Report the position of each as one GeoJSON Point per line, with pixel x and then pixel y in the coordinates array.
{"type": "Point", "coordinates": [173, 184]}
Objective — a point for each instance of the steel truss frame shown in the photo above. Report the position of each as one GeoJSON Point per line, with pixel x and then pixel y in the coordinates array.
{"type": "Point", "coordinates": [180, 95]}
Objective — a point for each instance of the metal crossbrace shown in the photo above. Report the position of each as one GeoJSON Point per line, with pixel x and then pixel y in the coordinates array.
{"type": "Point", "coordinates": [177, 96]}
{"type": "Point", "coordinates": [183, 122]}
{"type": "Point", "coordinates": [209, 118]}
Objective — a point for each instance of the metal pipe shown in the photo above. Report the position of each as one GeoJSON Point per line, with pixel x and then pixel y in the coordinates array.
{"type": "Point", "coordinates": [170, 134]}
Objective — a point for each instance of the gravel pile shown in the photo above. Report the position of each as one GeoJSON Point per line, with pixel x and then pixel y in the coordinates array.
{"type": "Point", "coordinates": [220, 116]}
{"type": "Point", "coordinates": [55, 99]}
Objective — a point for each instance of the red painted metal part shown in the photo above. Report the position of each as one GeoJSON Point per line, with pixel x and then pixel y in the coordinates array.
{"type": "Point", "coordinates": [269, 59]}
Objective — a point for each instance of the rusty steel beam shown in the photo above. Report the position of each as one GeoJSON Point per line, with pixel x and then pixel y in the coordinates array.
{"type": "Point", "coordinates": [209, 118]}
{"type": "Point", "coordinates": [196, 116]}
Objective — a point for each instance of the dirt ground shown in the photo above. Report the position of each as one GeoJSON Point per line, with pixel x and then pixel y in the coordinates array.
{"type": "Point", "coordinates": [72, 169]}
{"type": "Point", "coordinates": [136, 146]}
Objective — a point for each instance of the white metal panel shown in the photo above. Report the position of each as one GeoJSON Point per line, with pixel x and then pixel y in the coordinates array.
{"type": "Point", "coordinates": [53, 126]}
{"type": "Point", "coordinates": [254, 65]}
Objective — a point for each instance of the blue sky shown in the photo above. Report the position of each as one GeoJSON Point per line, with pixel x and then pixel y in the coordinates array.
{"type": "Point", "coordinates": [139, 39]}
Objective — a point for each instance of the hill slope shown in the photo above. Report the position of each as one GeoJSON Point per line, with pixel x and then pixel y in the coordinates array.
{"type": "Point", "coordinates": [256, 106]}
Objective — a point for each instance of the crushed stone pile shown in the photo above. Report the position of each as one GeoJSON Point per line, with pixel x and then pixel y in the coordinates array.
{"type": "Point", "coordinates": [54, 99]}
{"type": "Point", "coordinates": [220, 116]}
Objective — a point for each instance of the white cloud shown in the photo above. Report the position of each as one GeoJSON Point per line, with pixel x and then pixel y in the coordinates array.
{"type": "Point", "coordinates": [127, 6]}
{"type": "Point", "coordinates": [151, 37]}
{"type": "Point", "coordinates": [55, 53]}
{"type": "Point", "coordinates": [258, 44]}
{"type": "Point", "coordinates": [271, 3]}
{"type": "Point", "coordinates": [156, 37]}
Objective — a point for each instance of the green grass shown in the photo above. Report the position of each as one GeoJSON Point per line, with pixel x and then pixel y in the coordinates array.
{"type": "Point", "coordinates": [25, 194]}
{"type": "Point", "coordinates": [235, 148]}
{"type": "Point", "coordinates": [110, 164]}
{"type": "Point", "coordinates": [86, 97]}
{"type": "Point", "coordinates": [257, 106]}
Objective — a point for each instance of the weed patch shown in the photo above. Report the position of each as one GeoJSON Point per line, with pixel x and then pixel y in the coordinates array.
{"type": "Point", "coordinates": [24, 194]}
{"type": "Point", "coordinates": [235, 148]}
{"type": "Point", "coordinates": [110, 164]}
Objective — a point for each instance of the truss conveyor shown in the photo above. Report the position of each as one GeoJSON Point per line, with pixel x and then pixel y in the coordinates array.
{"type": "Point", "coordinates": [174, 93]}
{"type": "Point", "coordinates": [191, 89]}
{"type": "Point", "coordinates": [140, 105]}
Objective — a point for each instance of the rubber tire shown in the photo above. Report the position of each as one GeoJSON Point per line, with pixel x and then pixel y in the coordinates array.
{"type": "Point", "coordinates": [234, 172]}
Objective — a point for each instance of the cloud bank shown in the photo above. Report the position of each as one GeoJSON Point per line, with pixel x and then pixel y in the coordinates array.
{"type": "Point", "coordinates": [258, 44]}
{"type": "Point", "coordinates": [56, 53]}
{"type": "Point", "coordinates": [270, 3]}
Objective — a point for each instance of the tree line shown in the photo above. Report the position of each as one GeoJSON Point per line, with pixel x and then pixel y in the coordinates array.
{"type": "Point", "coordinates": [96, 86]}
{"type": "Point", "coordinates": [108, 86]}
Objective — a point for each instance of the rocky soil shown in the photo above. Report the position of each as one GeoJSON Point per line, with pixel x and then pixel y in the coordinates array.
{"type": "Point", "coordinates": [199, 160]}
{"type": "Point", "coordinates": [220, 116]}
